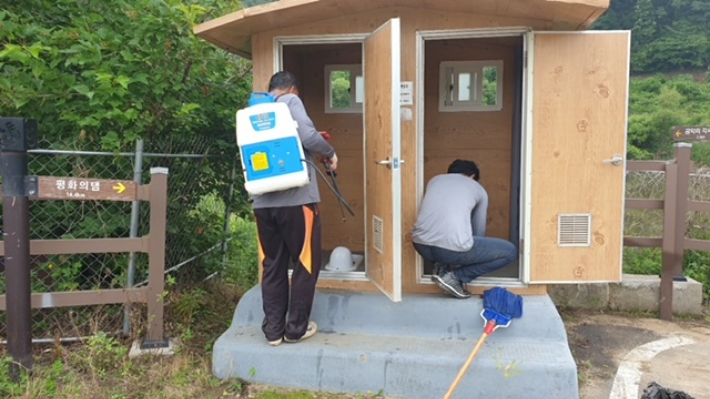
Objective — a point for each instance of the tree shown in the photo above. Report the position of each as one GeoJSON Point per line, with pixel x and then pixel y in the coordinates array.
{"type": "Point", "coordinates": [620, 15]}
{"type": "Point", "coordinates": [99, 74]}
{"type": "Point", "coordinates": [113, 71]}
{"type": "Point", "coordinates": [645, 28]}
{"type": "Point", "coordinates": [667, 35]}
{"type": "Point", "coordinates": [340, 91]}
{"type": "Point", "coordinates": [657, 104]}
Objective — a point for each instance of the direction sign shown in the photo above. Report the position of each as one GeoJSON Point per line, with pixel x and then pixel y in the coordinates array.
{"type": "Point", "coordinates": [691, 133]}
{"type": "Point", "coordinates": [72, 188]}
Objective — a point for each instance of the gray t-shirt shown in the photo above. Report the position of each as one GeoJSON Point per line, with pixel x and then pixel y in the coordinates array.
{"type": "Point", "coordinates": [453, 212]}
{"type": "Point", "coordinates": [313, 143]}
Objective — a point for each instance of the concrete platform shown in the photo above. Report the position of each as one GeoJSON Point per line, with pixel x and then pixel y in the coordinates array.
{"type": "Point", "coordinates": [412, 349]}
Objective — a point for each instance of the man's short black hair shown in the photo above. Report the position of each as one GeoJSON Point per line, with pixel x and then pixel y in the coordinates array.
{"type": "Point", "coordinates": [283, 80]}
{"type": "Point", "coordinates": [467, 168]}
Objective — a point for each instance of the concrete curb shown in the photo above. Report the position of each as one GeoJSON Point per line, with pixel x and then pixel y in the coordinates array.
{"type": "Point", "coordinates": [633, 293]}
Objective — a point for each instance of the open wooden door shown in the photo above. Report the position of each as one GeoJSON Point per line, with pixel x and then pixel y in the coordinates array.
{"type": "Point", "coordinates": [383, 232]}
{"type": "Point", "coordinates": [574, 156]}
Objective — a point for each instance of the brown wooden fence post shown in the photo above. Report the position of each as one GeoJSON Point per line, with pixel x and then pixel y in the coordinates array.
{"type": "Point", "coordinates": [675, 212]}
{"type": "Point", "coordinates": [669, 244]}
{"type": "Point", "coordinates": [156, 252]}
{"type": "Point", "coordinates": [682, 156]}
{"type": "Point", "coordinates": [17, 135]}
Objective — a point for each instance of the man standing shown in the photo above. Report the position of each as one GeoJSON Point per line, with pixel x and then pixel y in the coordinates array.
{"type": "Point", "coordinates": [289, 229]}
{"type": "Point", "coordinates": [450, 230]}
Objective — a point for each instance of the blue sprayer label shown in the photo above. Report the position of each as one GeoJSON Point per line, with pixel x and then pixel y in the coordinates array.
{"type": "Point", "coordinates": [265, 121]}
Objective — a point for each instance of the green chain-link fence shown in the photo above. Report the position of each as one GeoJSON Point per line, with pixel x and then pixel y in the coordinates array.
{"type": "Point", "coordinates": [200, 183]}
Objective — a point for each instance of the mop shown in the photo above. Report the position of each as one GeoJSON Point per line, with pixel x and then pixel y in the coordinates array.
{"type": "Point", "coordinates": [500, 307]}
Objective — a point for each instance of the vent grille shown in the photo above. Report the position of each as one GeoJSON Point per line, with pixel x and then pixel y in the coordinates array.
{"type": "Point", "coordinates": [574, 229]}
{"type": "Point", "coordinates": [378, 236]}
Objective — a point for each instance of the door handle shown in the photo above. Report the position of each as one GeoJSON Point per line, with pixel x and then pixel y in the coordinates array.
{"type": "Point", "coordinates": [615, 160]}
{"type": "Point", "coordinates": [389, 162]}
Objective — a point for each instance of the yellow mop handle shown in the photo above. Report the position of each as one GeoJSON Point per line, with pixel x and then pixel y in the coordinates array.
{"type": "Point", "coordinates": [466, 365]}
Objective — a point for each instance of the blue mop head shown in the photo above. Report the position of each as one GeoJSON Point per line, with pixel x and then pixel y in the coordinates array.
{"type": "Point", "coordinates": [501, 306]}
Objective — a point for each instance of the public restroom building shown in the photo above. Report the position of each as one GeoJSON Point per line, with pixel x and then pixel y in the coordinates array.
{"type": "Point", "coordinates": [404, 87]}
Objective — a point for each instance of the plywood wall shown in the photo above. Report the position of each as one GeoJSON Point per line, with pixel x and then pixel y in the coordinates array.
{"type": "Point", "coordinates": [308, 63]}
{"type": "Point", "coordinates": [483, 137]}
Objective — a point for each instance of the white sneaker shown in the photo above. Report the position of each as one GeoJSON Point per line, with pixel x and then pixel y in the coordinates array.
{"type": "Point", "coordinates": [276, 342]}
{"type": "Point", "coordinates": [310, 331]}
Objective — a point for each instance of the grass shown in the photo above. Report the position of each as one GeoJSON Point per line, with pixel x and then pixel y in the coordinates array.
{"type": "Point", "coordinates": [100, 366]}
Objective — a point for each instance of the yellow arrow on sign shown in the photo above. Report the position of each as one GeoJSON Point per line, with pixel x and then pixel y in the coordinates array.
{"type": "Point", "coordinates": [120, 188]}
{"type": "Point", "coordinates": [678, 133]}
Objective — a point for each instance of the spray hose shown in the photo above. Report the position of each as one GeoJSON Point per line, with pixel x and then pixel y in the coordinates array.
{"type": "Point", "coordinates": [334, 187]}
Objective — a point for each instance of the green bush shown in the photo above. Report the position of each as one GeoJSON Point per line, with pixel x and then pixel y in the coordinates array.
{"type": "Point", "coordinates": [642, 260]}
{"type": "Point", "coordinates": [243, 265]}
{"type": "Point", "coordinates": [696, 265]}
{"type": "Point", "coordinates": [658, 103]}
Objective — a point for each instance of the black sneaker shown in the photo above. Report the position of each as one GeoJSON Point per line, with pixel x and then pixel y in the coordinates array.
{"type": "Point", "coordinates": [449, 283]}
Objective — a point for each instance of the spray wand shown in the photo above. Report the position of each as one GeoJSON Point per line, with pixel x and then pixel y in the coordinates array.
{"type": "Point", "coordinates": [333, 178]}
{"type": "Point", "coordinates": [333, 175]}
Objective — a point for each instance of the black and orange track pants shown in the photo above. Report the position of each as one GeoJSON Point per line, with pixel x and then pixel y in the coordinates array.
{"type": "Point", "coordinates": [288, 235]}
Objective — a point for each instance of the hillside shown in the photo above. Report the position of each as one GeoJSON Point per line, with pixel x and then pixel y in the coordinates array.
{"type": "Point", "coordinates": [668, 35]}
{"type": "Point", "coordinates": [670, 60]}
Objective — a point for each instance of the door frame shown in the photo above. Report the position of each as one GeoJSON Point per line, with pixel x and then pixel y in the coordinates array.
{"type": "Point", "coordinates": [281, 41]}
{"type": "Point", "coordinates": [278, 45]}
{"type": "Point", "coordinates": [524, 145]}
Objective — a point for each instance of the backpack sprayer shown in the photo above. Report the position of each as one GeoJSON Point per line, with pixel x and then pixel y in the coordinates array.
{"type": "Point", "coordinates": [271, 152]}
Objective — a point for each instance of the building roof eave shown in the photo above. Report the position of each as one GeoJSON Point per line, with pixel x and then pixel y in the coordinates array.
{"type": "Point", "coordinates": [233, 31]}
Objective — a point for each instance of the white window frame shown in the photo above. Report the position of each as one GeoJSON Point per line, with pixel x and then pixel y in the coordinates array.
{"type": "Point", "coordinates": [355, 72]}
{"type": "Point", "coordinates": [449, 92]}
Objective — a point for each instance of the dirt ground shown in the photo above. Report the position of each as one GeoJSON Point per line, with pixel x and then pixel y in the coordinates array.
{"type": "Point", "coordinates": [601, 343]}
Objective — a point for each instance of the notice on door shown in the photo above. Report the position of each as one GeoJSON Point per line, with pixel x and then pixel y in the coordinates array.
{"type": "Point", "coordinates": [406, 90]}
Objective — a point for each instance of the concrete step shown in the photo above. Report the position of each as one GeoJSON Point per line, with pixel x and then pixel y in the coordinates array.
{"type": "Point", "coordinates": [411, 349]}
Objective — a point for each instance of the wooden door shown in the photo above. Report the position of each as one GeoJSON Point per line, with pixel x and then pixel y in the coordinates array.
{"type": "Point", "coordinates": [576, 147]}
{"type": "Point", "coordinates": [381, 69]}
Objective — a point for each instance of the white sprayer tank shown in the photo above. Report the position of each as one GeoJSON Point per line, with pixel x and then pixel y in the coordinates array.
{"type": "Point", "coordinates": [270, 148]}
